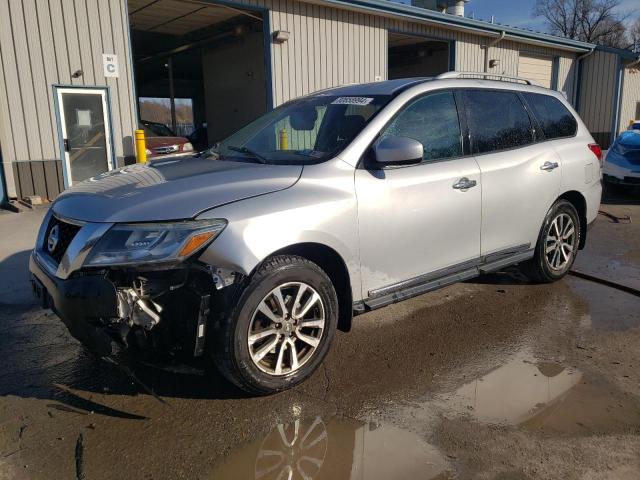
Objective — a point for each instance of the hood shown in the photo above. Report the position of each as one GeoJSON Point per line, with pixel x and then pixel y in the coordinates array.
{"type": "Point", "coordinates": [171, 189]}
{"type": "Point", "coordinates": [630, 139]}
{"type": "Point", "coordinates": [154, 142]}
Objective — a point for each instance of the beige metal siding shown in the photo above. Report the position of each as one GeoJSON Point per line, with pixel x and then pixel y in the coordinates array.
{"type": "Point", "coordinates": [330, 47]}
{"type": "Point", "coordinates": [597, 94]}
{"type": "Point", "coordinates": [327, 47]}
{"type": "Point", "coordinates": [630, 104]}
{"type": "Point", "coordinates": [42, 44]}
{"type": "Point", "coordinates": [536, 68]}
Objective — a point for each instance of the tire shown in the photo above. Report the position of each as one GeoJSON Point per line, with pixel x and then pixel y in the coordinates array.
{"type": "Point", "coordinates": [239, 360]}
{"type": "Point", "coordinates": [545, 267]}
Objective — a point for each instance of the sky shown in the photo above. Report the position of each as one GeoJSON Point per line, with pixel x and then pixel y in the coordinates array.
{"type": "Point", "coordinates": [518, 13]}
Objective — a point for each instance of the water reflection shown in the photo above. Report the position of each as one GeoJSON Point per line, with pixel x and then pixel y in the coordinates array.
{"type": "Point", "coordinates": [513, 392]}
{"type": "Point", "coordinates": [340, 448]}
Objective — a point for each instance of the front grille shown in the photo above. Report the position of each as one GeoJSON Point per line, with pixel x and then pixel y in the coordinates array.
{"type": "Point", "coordinates": [65, 234]}
{"type": "Point", "coordinates": [166, 149]}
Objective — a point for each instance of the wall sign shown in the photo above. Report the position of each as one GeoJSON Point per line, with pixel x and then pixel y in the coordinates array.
{"type": "Point", "coordinates": [110, 64]}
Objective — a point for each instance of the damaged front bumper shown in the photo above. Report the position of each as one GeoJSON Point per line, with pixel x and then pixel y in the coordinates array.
{"type": "Point", "coordinates": [164, 311]}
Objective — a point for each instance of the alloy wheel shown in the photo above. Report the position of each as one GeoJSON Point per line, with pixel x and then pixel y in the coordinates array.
{"type": "Point", "coordinates": [286, 328]}
{"type": "Point", "coordinates": [560, 242]}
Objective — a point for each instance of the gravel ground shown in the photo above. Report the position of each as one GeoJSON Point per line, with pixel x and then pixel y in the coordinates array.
{"type": "Point", "coordinates": [494, 378]}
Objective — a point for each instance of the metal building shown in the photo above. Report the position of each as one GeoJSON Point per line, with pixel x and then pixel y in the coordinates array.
{"type": "Point", "coordinates": [73, 73]}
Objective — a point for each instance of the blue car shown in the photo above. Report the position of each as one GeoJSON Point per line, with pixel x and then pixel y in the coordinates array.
{"type": "Point", "coordinates": [622, 165]}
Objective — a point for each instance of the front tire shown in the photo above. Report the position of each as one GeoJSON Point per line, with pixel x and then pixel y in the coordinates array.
{"type": "Point", "coordinates": [557, 244]}
{"type": "Point", "coordinates": [281, 327]}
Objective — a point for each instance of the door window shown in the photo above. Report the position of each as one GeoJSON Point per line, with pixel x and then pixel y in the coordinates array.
{"type": "Point", "coordinates": [497, 120]}
{"type": "Point", "coordinates": [433, 121]}
{"type": "Point", "coordinates": [554, 118]}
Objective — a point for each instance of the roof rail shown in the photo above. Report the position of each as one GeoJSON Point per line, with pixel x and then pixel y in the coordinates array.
{"type": "Point", "coordinates": [489, 76]}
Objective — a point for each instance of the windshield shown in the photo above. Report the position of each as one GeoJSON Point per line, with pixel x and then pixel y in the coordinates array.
{"type": "Point", "coordinates": [307, 130]}
{"type": "Point", "coordinates": [156, 130]}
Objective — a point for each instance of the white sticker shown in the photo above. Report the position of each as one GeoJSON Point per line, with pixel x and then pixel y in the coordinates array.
{"type": "Point", "coordinates": [352, 101]}
{"type": "Point", "coordinates": [110, 65]}
{"type": "Point", "coordinates": [84, 118]}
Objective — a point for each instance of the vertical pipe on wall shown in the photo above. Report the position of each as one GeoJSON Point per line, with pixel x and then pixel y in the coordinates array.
{"type": "Point", "coordinates": [492, 43]}
{"type": "Point", "coordinates": [577, 80]}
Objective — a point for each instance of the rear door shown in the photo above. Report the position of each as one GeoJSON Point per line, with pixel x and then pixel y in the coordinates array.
{"type": "Point", "coordinates": [415, 220]}
{"type": "Point", "coordinates": [520, 177]}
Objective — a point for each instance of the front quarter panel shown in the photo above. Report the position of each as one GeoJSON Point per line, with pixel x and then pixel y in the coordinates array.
{"type": "Point", "coordinates": [319, 208]}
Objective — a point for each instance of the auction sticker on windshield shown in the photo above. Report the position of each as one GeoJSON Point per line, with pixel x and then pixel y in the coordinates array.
{"type": "Point", "coordinates": [352, 101]}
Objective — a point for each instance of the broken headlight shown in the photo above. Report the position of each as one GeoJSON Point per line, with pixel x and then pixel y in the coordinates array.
{"type": "Point", "coordinates": [134, 243]}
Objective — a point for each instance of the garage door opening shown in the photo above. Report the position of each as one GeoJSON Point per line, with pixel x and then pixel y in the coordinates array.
{"type": "Point", "coordinates": [200, 69]}
{"type": "Point", "coordinates": [412, 56]}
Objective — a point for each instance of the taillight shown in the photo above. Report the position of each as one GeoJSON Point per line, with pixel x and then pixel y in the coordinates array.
{"type": "Point", "coordinates": [597, 151]}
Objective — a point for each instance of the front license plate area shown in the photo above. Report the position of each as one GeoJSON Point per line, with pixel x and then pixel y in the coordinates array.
{"type": "Point", "coordinates": [40, 292]}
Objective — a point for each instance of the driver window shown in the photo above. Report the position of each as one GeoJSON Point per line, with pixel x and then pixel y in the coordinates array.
{"type": "Point", "coordinates": [433, 121]}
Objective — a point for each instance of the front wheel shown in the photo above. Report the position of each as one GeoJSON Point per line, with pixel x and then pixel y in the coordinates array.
{"type": "Point", "coordinates": [281, 328]}
{"type": "Point", "coordinates": [557, 244]}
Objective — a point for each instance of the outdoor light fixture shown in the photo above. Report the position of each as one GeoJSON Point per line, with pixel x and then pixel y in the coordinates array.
{"type": "Point", "coordinates": [77, 74]}
{"type": "Point", "coordinates": [280, 36]}
{"type": "Point", "coordinates": [494, 63]}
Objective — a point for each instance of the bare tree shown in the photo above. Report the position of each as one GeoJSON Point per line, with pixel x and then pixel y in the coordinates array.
{"type": "Point", "coordinates": [593, 21]}
{"type": "Point", "coordinates": [634, 36]}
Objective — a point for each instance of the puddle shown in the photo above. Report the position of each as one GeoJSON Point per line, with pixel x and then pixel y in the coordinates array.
{"type": "Point", "coordinates": [513, 392]}
{"type": "Point", "coordinates": [338, 448]}
{"type": "Point", "coordinates": [608, 308]}
{"type": "Point", "coordinates": [543, 396]}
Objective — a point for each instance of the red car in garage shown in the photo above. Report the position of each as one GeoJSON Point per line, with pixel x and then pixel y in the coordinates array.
{"type": "Point", "coordinates": [161, 141]}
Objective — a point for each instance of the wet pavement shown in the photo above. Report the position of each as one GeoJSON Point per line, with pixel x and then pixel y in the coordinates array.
{"type": "Point", "coordinates": [494, 378]}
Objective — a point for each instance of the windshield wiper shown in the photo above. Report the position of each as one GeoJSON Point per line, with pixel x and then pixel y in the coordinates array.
{"type": "Point", "coordinates": [248, 151]}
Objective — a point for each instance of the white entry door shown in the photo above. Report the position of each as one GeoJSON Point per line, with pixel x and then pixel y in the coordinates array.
{"type": "Point", "coordinates": [85, 130]}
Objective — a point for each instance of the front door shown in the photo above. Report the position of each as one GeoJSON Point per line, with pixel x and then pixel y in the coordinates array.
{"type": "Point", "coordinates": [418, 220]}
{"type": "Point", "coordinates": [85, 129]}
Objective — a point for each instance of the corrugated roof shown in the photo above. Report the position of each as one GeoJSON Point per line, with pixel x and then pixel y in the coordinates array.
{"type": "Point", "coordinates": [463, 23]}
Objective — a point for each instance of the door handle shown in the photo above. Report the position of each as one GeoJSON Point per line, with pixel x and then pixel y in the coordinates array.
{"type": "Point", "coordinates": [464, 183]}
{"type": "Point", "coordinates": [67, 148]}
{"type": "Point", "coordinates": [548, 166]}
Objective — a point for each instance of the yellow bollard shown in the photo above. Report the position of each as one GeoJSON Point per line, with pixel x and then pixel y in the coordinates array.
{"type": "Point", "coordinates": [284, 139]}
{"type": "Point", "coordinates": [141, 147]}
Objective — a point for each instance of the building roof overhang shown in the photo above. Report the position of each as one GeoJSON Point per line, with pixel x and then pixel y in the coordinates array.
{"type": "Point", "coordinates": [390, 8]}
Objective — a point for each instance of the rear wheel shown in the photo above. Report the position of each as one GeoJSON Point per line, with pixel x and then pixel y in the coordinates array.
{"type": "Point", "coordinates": [280, 329]}
{"type": "Point", "coordinates": [557, 244]}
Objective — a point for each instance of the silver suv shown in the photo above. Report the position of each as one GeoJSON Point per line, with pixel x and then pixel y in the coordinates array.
{"type": "Point", "coordinates": [334, 204]}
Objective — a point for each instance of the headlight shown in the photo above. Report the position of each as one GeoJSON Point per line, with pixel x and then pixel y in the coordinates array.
{"type": "Point", "coordinates": [134, 243]}
{"type": "Point", "coordinates": [187, 147]}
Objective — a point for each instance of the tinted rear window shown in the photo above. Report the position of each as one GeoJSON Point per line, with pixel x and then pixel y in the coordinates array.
{"type": "Point", "coordinates": [497, 120]}
{"type": "Point", "coordinates": [554, 118]}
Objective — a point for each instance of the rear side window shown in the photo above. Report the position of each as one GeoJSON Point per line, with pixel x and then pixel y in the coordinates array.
{"type": "Point", "coordinates": [497, 120]}
{"type": "Point", "coordinates": [554, 118]}
{"type": "Point", "coordinates": [433, 121]}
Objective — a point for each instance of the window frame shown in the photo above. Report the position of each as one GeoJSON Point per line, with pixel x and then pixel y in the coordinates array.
{"type": "Point", "coordinates": [368, 163]}
{"type": "Point", "coordinates": [533, 121]}
{"type": "Point", "coordinates": [543, 136]}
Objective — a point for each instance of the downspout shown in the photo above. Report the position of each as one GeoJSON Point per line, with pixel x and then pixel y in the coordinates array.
{"type": "Point", "coordinates": [492, 43]}
{"type": "Point", "coordinates": [577, 75]}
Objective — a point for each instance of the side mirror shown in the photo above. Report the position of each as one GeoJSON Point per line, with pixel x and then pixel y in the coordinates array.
{"type": "Point", "coordinates": [398, 151]}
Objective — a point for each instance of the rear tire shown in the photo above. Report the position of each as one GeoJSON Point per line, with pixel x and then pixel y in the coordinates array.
{"type": "Point", "coordinates": [557, 244]}
{"type": "Point", "coordinates": [281, 327]}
